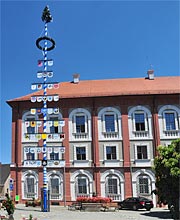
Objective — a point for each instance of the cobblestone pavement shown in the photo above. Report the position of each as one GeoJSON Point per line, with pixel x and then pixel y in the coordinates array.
{"type": "Point", "coordinates": [62, 213]}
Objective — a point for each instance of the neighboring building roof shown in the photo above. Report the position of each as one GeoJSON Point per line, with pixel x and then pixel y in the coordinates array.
{"type": "Point", "coordinates": [4, 172]}
{"type": "Point", "coordinates": [112, 87]}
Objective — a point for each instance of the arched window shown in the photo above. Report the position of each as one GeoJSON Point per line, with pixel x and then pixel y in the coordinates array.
{"type": "Point", "coordinates": [80, 124]}
{"type": "Point", "coordinates": [140, 122]}
{"type": "Point", "coordinates": [169, 121]}
{"type": "Point", "coordinates": [30, 185]}
{"type": "Point", "coordinates": [55, 185]}
{"type": "Point", "coordinates": [82, 186]}
{"type": "Point", "coordinates": [109, 123]}
{"type": "Point", "coordinates": [143, 185]}
{"type": "Point", "coordinates": [112, 185]}
{"type": "Point", "coordinates": [30, 126]}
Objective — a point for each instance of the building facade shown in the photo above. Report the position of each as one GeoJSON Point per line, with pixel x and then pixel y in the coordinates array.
{"type": "Point", "coordinates": [102, 137]}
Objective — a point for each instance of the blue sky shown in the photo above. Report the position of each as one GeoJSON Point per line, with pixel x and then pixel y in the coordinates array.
{"type": "Point", "coordinates": [97, 39]}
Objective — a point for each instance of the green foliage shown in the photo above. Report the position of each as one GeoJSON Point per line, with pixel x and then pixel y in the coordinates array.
{"type": "Point", "coordinates": [8, 205]}
{"type": "Point", "coordinates": [167, 170]}
{"type": "Point", "coordinates": [46, 15]}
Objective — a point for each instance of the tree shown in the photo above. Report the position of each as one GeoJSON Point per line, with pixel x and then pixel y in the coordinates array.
{"type": "Point", "coordinates": [167, 171]}
{"type": "Point", "coordinates": [46, 15]}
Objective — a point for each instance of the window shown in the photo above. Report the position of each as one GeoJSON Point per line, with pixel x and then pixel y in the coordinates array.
{"type": "Point", "coordinates": [170, 121]}
{"type": "Point", "coordinates": [81, 153]}
{"type": "Point", "coordinates": [54, 122]}
{"type": "Point", "coordinates": [54, 156]}
{"type": "Point", "coordinates": [29, 187]}
{"type": "Point", "coordinates": [82, 185]}
{"type": "Point", "coordinates": [30, 156]}
{"type": "Point", "coordinates": [80, 124]}
{"type": "Point", "coordinates": [55, 185]}
{"type": "Point", "coordinates": [143, 185]}
{"type": "Point", "coordinates": [139, 122]}
{"type": "Point", "coordinates": [111, 153]}
{"type": "Point", "coordinates": [142, 152]}
{"type": "Point", "coordinates": [109, 123]}
{"type": "Point", "coordinates": [30, 125]}
{"type": "Point", "coordinates": [112, 186]}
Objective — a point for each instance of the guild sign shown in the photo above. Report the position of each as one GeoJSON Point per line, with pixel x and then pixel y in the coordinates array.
{"type": "Point", "coordinates": [44, 162]}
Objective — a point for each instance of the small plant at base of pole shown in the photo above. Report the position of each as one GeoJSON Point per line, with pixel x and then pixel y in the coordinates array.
{"type": "Point", "coordinates": [8, 205]}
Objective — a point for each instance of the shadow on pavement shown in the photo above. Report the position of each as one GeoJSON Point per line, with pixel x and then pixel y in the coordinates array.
{"type": "Point", "coordinates": [158, 214]}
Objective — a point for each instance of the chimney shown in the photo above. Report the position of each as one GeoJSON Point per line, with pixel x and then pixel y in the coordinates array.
{"type": "Point", "coordinates": [76, 78]}
{"type": "Point", "coordinates": [150, 74]}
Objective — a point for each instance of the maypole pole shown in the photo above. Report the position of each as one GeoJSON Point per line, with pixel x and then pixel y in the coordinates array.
{"type": "Point", "coordinates": [46, 18]}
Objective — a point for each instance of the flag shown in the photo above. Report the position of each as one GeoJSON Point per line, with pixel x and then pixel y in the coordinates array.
{"type": "Point", "coordinates": [33, 99]}
{"type": "Point", "coordinates": [27, 123]}
{"type": "Point", "coordinates": [56, 98]}
{"type": "Point", "coordinates": [50, 62]}
{"type": "Point", "coordinates": [56, 85]}
{"type": "Point", "coordinates": [33, 87]}
{"type": "Point", "coordinates": [50, 74]}
{"type": "Point", "coordinates": [39, 86]}
{"type": "Point", "coordinates": [50, 111]}
{"type": "Point", "coordinates": [39, 74]}
{"type": "Point", "coordinates": [61, 123]}
{"type": "Point", "coordinates": [50, 85]}
{"type": "Point", "coordinates": [49, 98]}
{"type": "Point", "coordinates": [33, 111]}
{"type": "Point", "coordinates": [39, 99]}
{"type": "Point", "coordinates": [39, 123]}
{"type": "Point", "coordinates": [33, 123]}
{"type": "Point", "coordinates": [56, 110]}
{"type": "Point", "coordinates": [43, 110]}
{"type": "Point", "coordinates": [44, 136]}
{"type": "Point", "coordinates": [38, 111]}
{"type": "Point", "coordinates": [40, 63]}
{"type": "Point", "coordinates": [38, 136]}
{"type": "Point", "coordinates": [56, 123]}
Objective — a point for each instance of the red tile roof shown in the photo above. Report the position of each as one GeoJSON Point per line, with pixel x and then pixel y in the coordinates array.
{"type": "Point", "coordinates": [113, 87]}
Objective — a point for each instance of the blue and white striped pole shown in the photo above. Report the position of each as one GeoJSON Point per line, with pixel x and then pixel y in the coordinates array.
{"type": "Point", "coordinates": [46, 17]}
{"type": "Point", "coordinates": [45, 190]}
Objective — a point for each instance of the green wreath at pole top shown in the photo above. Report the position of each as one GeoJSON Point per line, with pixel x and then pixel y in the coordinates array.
{"type": "Point", "coordinates": [46, 15]}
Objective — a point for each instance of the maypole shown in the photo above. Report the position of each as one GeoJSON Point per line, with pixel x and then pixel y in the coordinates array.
{"type": "Point", "coordinates": [46, 18]}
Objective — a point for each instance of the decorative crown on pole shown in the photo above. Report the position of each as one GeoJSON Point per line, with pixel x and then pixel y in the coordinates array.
{"type": "Point", "coordinates": [46, 15]}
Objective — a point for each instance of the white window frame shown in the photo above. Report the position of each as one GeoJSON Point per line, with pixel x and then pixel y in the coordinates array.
{"type": "Point", "coordinates": [49, 121]}
{"type": "Point", "coordinates": [105, 153]}
{"type": "Point", "coordinates": [102, 133]}
{"type": "Point", "coordinates": [34, 175]}
{"type": "Point", "coordinates": [73, 135]}
{"type": "Point", "coordinates": [77, 186]}
{"type": "Point", "coordinates": [147, 133]}
{"type": "Point", "coordinates": [28, 115]}
{"type": "Point", "coordinates": [169, 134]}
{"type": "Point", "coordinates": [30, 149]}
{"type": "Point", "coordinates": [149, 185]}
{"type": "Point", "coordinates": [145, 120]}
{"type": "Point", "coordinates": [148, 151]}
{"type": "Point", "coordinates": [75, 155]}
{"type": "Point", "coordinates": [175, 119]}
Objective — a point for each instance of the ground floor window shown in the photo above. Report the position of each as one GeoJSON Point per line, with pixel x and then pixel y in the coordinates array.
{"type": "Point", "coordinates": [82, 186]}
{"type": "Point", "coordinates": [30, 186]}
